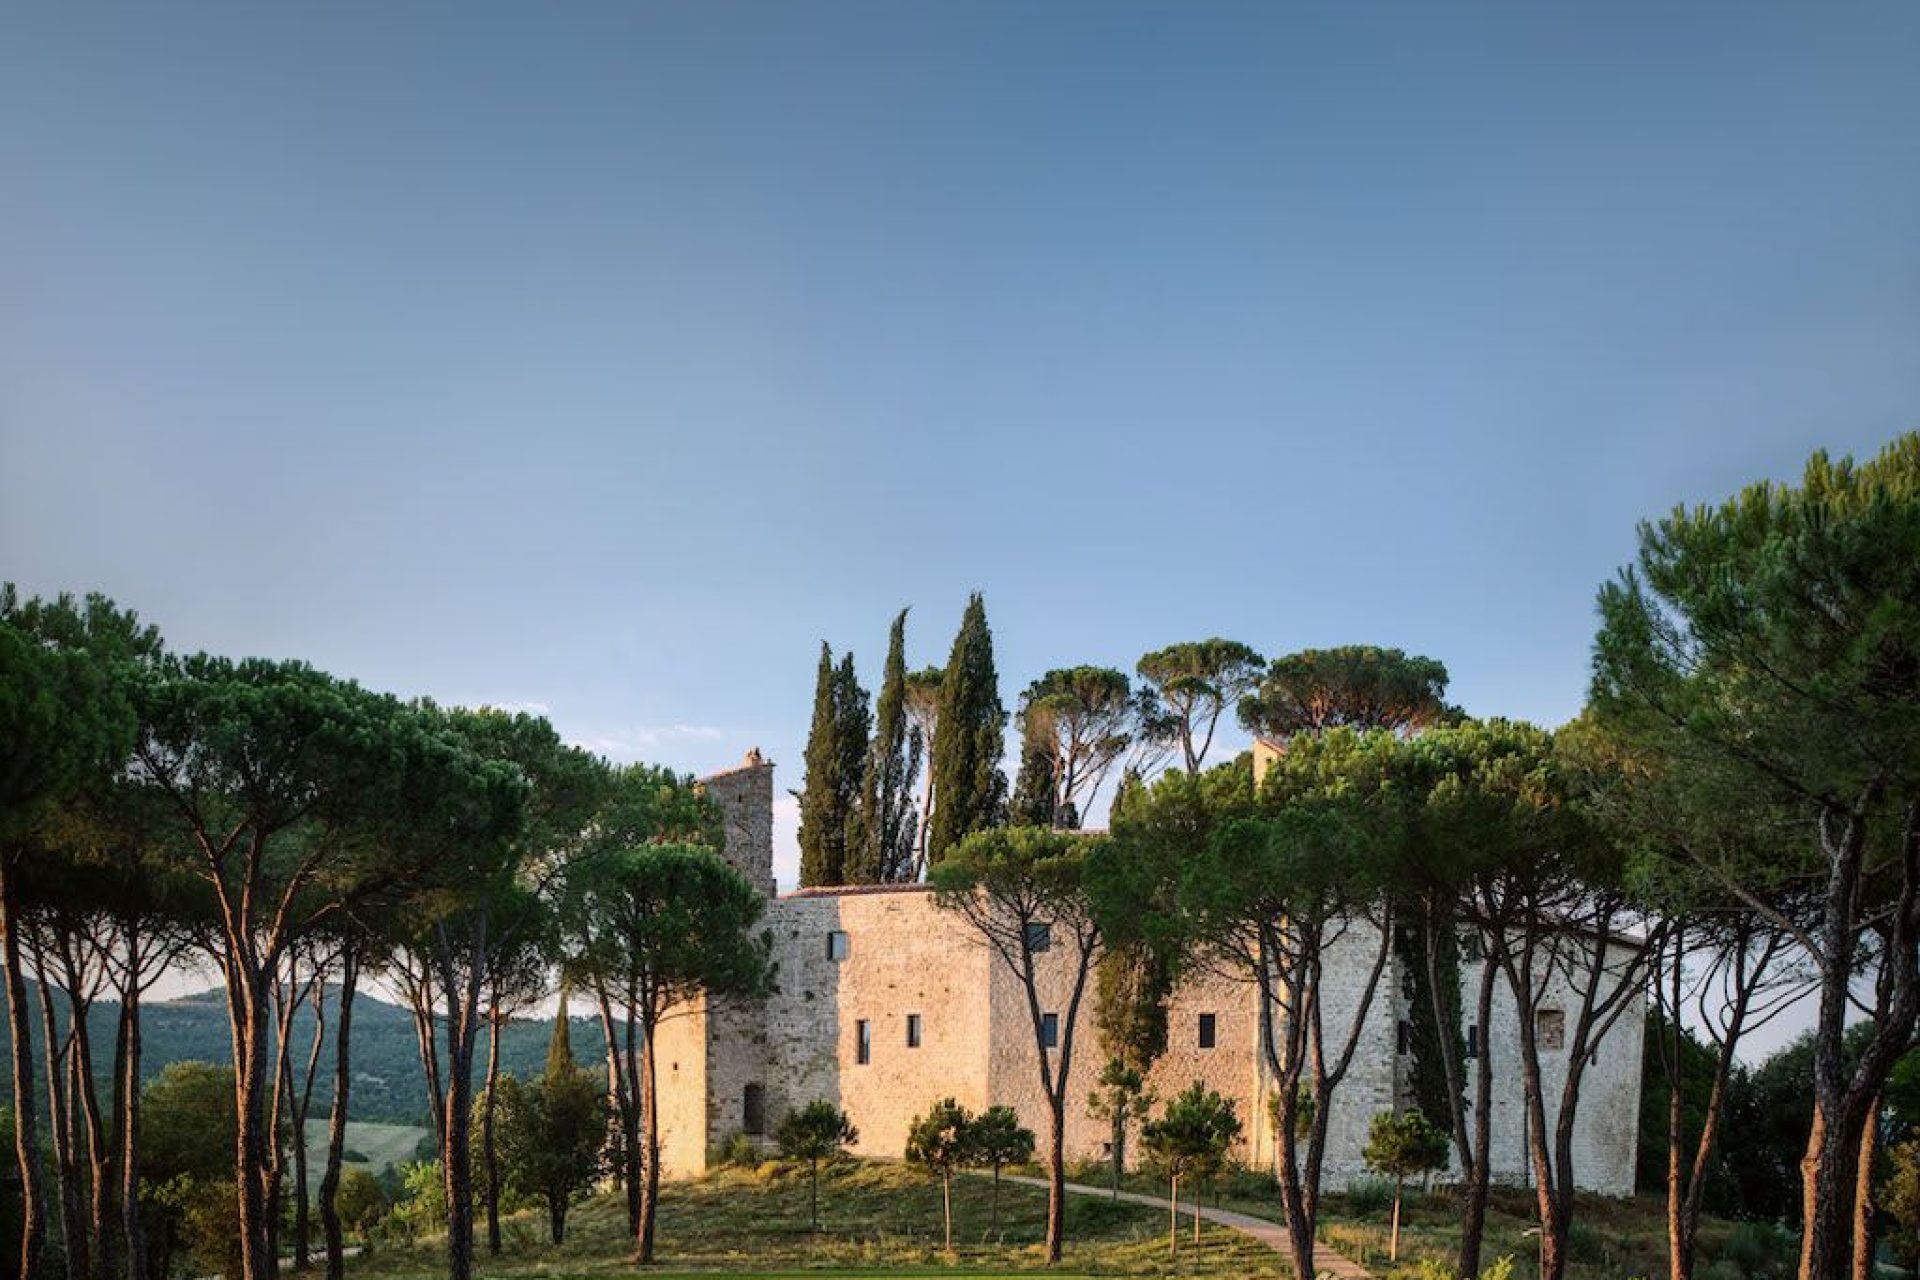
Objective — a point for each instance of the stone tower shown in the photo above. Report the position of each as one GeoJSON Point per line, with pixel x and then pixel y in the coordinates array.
{"type": "Point", "coordinates": [745, 796]}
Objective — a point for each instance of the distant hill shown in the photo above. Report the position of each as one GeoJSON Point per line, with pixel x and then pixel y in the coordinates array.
{"type": "Point", "coordinates": [388, 1086]}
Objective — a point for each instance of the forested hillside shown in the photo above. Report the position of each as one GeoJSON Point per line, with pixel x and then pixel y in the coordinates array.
{"type": "Point", "coordinates": [388, 1083]}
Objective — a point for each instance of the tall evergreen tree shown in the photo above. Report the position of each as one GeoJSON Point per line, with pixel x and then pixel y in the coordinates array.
{"type": "Point", "coordinates": [831, 793]}
{"type": "Point", "coordinates": [888, 817]}
{"type": "Point", "coordinates": [852, 732]}
{"type": "Point", "coordinates": [969, 788]}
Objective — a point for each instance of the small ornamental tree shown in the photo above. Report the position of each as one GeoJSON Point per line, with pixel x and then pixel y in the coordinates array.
{"type": "Point", "coordinates": [942, 1141]}
{"type": "Point", "coordinates": [551, 1131]}
{"type": "Point", "coordinates": [1403, 1146]}
{"type": "Point", "coordinates": [1189, 1141]}
{"type": "Point", "coordinates": [818, 1131]}
{"type": "Point", "coordinates": [999, 1140]}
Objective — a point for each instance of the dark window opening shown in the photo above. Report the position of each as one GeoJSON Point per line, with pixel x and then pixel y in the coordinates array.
{"type": "Point", "coordinates": [753, 1110]}
{"type": "Point", "coordinates": [913, 1031]}
{"type": "Point", "coordinates": [1039, 937]}
{"type": "Point", "coordinates": [1406, 1037]}
{"type": "Point", "coordinates": [1207, 1030]}
{"type": "Point", "coordinates": [1473, 1039]}
{"type": "Point", "coordinates": [863, 1036]}
{"type": "Point", "coordinates": [836, 945]}
{"type": "Point", "coordinates": [1050, 1030]}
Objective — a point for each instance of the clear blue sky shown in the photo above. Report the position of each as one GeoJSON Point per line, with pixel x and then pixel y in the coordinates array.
{"type": "Point", "coordinates": [607, 358]}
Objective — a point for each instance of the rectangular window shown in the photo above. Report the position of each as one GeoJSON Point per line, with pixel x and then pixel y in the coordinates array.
{"type": "Point", "coordinates": [863, 1036]}
{"type": "Point", "coordinates": [913, 1031]}
{"type": "Point", "coordinates": [1406, 1037]}
{"type": "Point", "coordinates": [836, 945]}
{"type": "Point", "coordinates": [753, 1110]}
{"type": "Point", "coordinates": [1473, 1039]}
{"type": "Point", "coordinates": [1050, 1030]}
{"type": "Point", "coordinates": [1039, 937]}
{"type": "Point", "coordinates": [1550, 1029]}
{"type": "Point", "coordinates": [1207, 1029]}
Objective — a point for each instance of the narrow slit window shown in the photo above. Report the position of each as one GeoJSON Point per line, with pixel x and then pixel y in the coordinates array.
{"type": "Point", "coordinates": [913, 1031]}
{"type": "Point", "coordinates": [1473, 1039]}
{"type": "Point", "coordinates": [1050, 1030]}
{"type": "Point", "coordinates": [753, 1110]}
{"type": "Point", "coordinates": [863, 1041]}
{"type": "Point", "coordinates": [1209, 1027]}
{"type": "Point", "coordinates": [1406, 1037]}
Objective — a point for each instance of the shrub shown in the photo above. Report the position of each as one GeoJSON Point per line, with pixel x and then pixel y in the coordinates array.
{"type": "Point", "coordinates": [1368, 1196]}
{"type": "Point", "coordinates": [1757, 1251]}
{"type": "Point", "coordinates": [421, 1206]}
{"type": "Point", "coordinates": [362, 1202]}
{"type": "Point", "coordinates": [738, 1152]}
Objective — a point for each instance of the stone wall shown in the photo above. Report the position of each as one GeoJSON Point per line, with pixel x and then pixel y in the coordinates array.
{"type": "Point", "coordinates": [745, 797]}
{"type": "Point", "coordinates": [904, 956]}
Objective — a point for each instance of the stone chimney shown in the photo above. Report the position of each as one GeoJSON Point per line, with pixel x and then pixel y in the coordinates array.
{"type": "Point", "coordinates": [745, 797]}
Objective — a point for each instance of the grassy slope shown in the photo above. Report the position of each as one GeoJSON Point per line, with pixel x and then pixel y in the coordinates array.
{"type": "Point", "coordinates": [371, 1146]}
{"type": "Point", "coordinates": [876, 1218]}
{"type": "Point", "coordinates": [1611, 1238]}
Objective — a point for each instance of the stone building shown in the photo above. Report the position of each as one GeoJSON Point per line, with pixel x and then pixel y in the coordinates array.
{"type": "Point", "coordinates": [886, 1005]}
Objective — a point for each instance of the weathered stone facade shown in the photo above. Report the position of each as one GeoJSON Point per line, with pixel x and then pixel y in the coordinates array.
{"type": "Point", "coordinates": [877, 956]}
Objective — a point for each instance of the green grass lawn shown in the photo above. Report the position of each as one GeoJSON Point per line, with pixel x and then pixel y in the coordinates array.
{"type": "Point", "coordinates": [876, 1218]}
{"type": "Point", "coordinates": [373, 1147]}
{"type": "Point", "coordinates": [1612, 1238]}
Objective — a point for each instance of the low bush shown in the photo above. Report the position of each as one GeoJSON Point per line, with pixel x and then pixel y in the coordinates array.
{"type": "Point", "coordinates": [1370, 1195]}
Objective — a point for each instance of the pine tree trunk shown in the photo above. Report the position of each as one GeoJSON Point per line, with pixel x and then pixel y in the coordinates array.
{"type": "Point", "coordinates": [488, 1149]}
{"type": "Point", "coordinates": [73, 1233]}
{"type": "Point", "coordinates": [993, 1221]}
{"type": "Point", "coordinates": [302, 1108]}
{"type": "Point", "coordinates": [337, 1122]}
{"type": "Point", "coordinates": [1056, 1176]}
{"type": "Point", "coordinates": [557, 1218]}
{"type": "Point", "coordinates": [1863, 1208]}
{"type": "Point", "coordinates": [88, 1116]}
{"type": "Point", "coordinates": [1173, 1216]}
{"type": "Point", "coordinates": [246, 999]}
{"type": "Point", "coordinates": [456, 1152]}
{"type": "Point", "coordinates": [1393, 1239]}
{"type": "Point", "coordinates": [650, 1122]}
{"type": "Point", "coordinates": [625, 1107]}
{"type": "Point", "coordinates": [946, 1204]}
{"type": "Point", "coordinates": [127, 1093]}
{"type": "Point", "coordinates": [26, 1135]}
{"type": "Point", "coordinates": [1479, 1173]}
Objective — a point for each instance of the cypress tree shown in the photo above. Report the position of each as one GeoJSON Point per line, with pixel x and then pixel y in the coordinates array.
{"type": "Point", "coordinates": [971, 790]}
{"type": "Point", "coordinates": [852, 727]}
{"type": "Point", "coordinates": [887, 817]}
{"type": "Point", "coordinates": [823, 816]}
{"type": "Point", "coordinates": [560, 1061]}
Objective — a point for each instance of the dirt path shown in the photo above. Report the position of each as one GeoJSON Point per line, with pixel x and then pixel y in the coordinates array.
{"type": "Point", "coordinates": [1271, 1234]}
